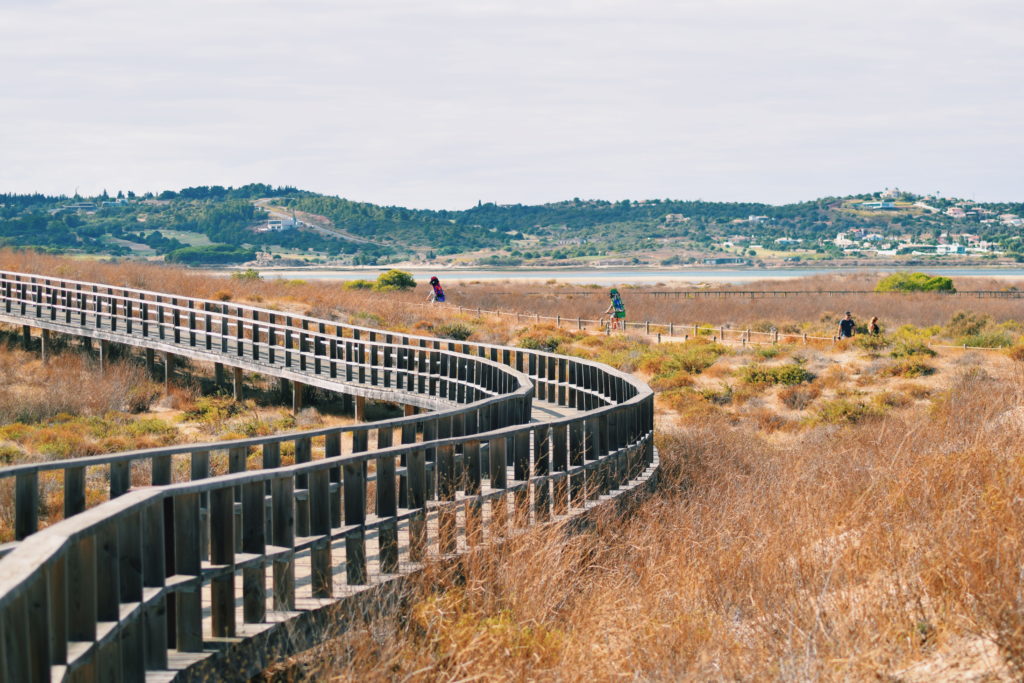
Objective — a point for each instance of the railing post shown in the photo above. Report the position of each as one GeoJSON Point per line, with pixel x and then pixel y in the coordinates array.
{"type": "Point", "coordinates": [355, 515]}
{"type": "Point", "coordinates": [254, 525]}
{"type": "Point", "coordinates": [222, 552]}
{"type": "Point", "coordinates": [26, 504]}
{"type": "Point", "coordinates": [496, 449]}
{"type": "Point", "coordinates": [283, 523]}
{"type": "Point", "coordinates": [154, 569]}
{"type": "Point", "coordinates": [321, 577]}
{"type": "Point", "coordinates": [446, 515]}
{"type": "Point", "coordinates": [417, 501]}
{"type": "Point", "coordinates": [187, 561]}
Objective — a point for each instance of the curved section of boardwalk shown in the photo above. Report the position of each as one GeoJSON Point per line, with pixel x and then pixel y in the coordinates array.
{"type": "Point", "coordinates": [180, 566]}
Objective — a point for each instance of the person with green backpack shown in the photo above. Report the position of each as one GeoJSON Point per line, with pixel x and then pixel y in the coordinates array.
{"type": "Point", "coordinates": [617, 310]}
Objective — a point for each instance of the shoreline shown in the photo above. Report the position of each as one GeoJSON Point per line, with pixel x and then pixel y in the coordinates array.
{"type": "Point", "coordinates": [620, 275]}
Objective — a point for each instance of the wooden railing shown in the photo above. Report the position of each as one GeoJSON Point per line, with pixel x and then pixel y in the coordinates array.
{"type": "Point", "coordinates": [157, 578]}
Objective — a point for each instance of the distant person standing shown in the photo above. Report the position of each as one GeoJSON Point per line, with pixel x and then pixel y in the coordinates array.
{"type": "Point", "coordinates": [436, 292]}
{"type": "Point", "coordinates": [846, 326]}
{"type": "Point", "coordinates": [873, 329]}
{"type": "Point", "coordinates": [616, 310]}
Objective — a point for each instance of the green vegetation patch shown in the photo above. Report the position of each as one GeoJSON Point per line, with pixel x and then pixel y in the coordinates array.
{"type": "Point", "coordinates": [914, 282]}
{"type": "Point", "coordinates": [789, 374]}
{"type": "Point", "coordinates": [454, 330]}
{"type": "Point", "coordinates": [908, 348]}
{"type": "Point", "coordinates": [211, 255]}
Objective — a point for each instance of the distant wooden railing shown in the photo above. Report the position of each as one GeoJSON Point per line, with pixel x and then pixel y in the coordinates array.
{"type": "Point", "coordinates": [158, 578]}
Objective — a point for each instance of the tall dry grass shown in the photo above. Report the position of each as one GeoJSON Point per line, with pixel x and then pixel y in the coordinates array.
{"type": "Point", "coordinates": [872, 552]}
{"type": "Point", "coordinates": [32, 391]}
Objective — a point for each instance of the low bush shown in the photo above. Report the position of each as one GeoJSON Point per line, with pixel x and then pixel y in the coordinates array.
{"type": "Point", "coordinates": [872, 342]}
{"type": "Point", "coordinates": [909, 348]}
{"type": "Point", "coordinates": [987, 340]}
{"type": "Point", "coordinates": [964, 324]}
{"type": "Point", "coordinates": [842, 410]}
{"type": "Point", "coordinates": [799, 396]}
{"type": "Point", "coordinates": [394, 280]}
{"type": "Point", "coordinates": [721, 396]}
{"type": "Point", "coordinates": [908, 367]}
{"type": "Point", "coordinates": [547, 337]}
{"type": "Point", "coordinates": [914, 282]}
{"type": "Point", "coordinates": [454, 330]}
{"type": "Point", "coordinates": [789, 374]}
{"type": "Point", "coordinates": [768, 352]}
{"type": "Point", "coordinates": [357, 284]}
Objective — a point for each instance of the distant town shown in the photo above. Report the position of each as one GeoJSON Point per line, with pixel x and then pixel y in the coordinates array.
{"type": "Point", "coordinates": [262, 225]}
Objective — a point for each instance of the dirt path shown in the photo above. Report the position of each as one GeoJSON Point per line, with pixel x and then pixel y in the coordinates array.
{"type": "Point", "coordinates": [312, 221]}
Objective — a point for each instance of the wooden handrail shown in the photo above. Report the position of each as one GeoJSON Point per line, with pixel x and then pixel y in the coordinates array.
{"type": "Point", "coordinates": [113, 588]}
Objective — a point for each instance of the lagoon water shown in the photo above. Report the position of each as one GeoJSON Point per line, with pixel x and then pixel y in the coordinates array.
{"type": "Point", "coordinates": [634, 276]}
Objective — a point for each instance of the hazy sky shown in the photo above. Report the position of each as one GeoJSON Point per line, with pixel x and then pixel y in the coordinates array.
{"type": "Point", "coordinates": [440, 103]}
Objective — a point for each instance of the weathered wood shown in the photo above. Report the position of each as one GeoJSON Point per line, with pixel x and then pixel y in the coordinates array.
{"type": "Point", "coordinates": [232, 517]}
{"type": "Point", "coordinates": [26, 504]}
{"type": "Point", "coordinates": [355, 514]}
{"type": "Point", "coordinates": [254, 597]}
{"type": "Point", "coordinates": [222, 552]}
{"type": "Point", "coordinates": [188, 617]}
{"type": "Point", "coordinates": [283, 524]}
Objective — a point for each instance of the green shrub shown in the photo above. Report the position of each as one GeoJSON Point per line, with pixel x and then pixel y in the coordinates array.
{"type": "Point", "coordinates": [541, 343]}
{"type": "Point", "coordinates": [842, 410]}
{"type": "Point", "coordinates": [10, 455]}
{"type": "Point", "coordinates": [964, 324]}
{"type": "Point", "coordinates": [394, 280]}
{"type": "Point", "coordinates": [914, 282]}
{"type": "Point", "coordinates": [870, 342]}
{"type": "Point", "coordinates": [989, 340]}
{"type": "Point", "coordinates": [768, 352]}
{"type": "Point", "coordinates": [908, 348]}
{"type": "Point", "coordinates": [696, 358]}
{"type": "Point", "coordinates": [720, 397]}
{"type": "Point", "coordinates": [788, 374]}
{"type": "Point", "coordinates": [908, 367]}
{"type": "Point", "coordinates": [357, 284]}
{"type": "Point", "coordinates": [799, 396]}
{"type": "Point", "coordinates": [211, 254]}
{"type": "Point", "coordinates": [454, 330]}
{"type": "Point", "coordinates": [247, 275]}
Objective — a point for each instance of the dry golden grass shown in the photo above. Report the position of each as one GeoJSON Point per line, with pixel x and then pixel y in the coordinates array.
{"type": "Point", "coordinates": [858, 554]}
{"type": "Point", "coordinates": [882, 543]}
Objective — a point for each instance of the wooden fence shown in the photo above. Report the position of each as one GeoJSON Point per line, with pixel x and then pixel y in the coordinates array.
{"type": "Point", "coordinates": [178, 565]}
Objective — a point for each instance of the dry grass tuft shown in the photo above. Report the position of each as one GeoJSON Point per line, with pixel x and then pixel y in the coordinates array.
{"type": "Point", "coordinates": [843, 555]}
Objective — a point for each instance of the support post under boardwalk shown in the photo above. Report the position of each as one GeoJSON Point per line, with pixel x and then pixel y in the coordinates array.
{"type": "Point", "coordinates": [360, 408]}
{"type": "Point", "coordinates": [410, 410]}
{"type": "Point", "coordinates": [236, 383]}
{"type": "Point", "coordinates": [168, 369]}
{"type": "Point", "coordinates": [26, 337]}
{"type": "Point", "coordinates": [218, 374]}
{"type": "Point", "coordinates": [298, 391]}
{"type": "Point", "coordinates": [44, 346]}
{"type": "Point", "coordinates": [104, 354]}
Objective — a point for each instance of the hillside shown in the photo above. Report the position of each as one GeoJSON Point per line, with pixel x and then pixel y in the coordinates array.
{"type": "Point", "coordinates": [212, 225]}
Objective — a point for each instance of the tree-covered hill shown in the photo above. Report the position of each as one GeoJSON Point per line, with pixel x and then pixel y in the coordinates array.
{"type": "Point", "coordinates": [215, 225]}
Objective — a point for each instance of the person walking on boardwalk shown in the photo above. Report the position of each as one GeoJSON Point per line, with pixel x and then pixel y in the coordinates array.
{"type": "Point", "coordinates": [873, 329]}
{"type": "Point", "coordinates": [436, 292]}
{"type": "Point", "coordinates": [846, 326]}
{"type": "Point", "coordinates": [616, 309]}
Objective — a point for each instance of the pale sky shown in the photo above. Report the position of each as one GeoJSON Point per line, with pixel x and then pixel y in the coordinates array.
{"type": "Point", "coordinates": [437, 104]}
